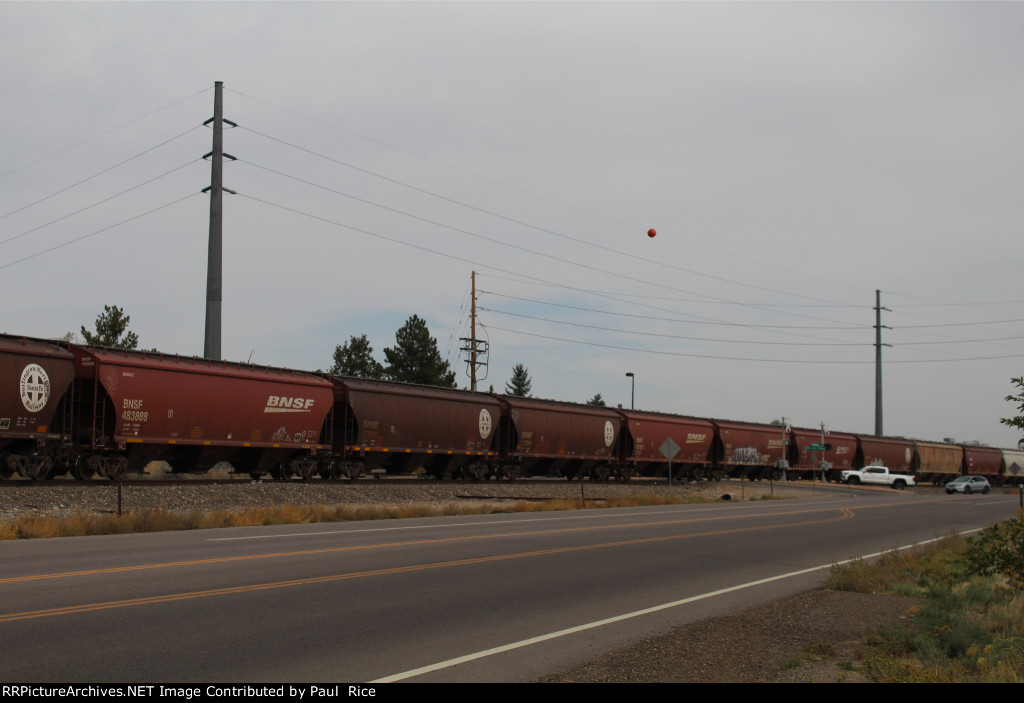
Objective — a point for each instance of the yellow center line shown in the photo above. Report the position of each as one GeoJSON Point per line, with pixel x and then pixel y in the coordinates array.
{"type": "Point", "coordinates": [410, 543]}
{"type": "Point", "coordinates": [845, 514]}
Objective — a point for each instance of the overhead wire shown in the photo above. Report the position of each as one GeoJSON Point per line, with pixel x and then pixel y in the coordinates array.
{"type": "Point", "coordinates": [675, 336]}
{"type": "Point", "coordinates": [98, 231]}
{"type": "Point", "coordinates": [540, 197]}
{"type": "Point", "coordinates": [499, 242]}
{"type": "Point", "coordinates": [522, 223]}
{"type": "Point", "coordinates": [98, 202]}
{"type": "Point", "coordinates": [741, 358]}
{"type": "Point", "coordinates": [104, 133]}
{"type": "Point", "coordinates": [517, 189]}
{"type": "Point", "coordinates": [99, 173]}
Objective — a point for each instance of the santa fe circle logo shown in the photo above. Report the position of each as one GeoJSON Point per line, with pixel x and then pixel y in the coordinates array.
{"type": "Point", "coordinates": [485, 424]}
{"type": "Point", "coordinates": [35, 388]}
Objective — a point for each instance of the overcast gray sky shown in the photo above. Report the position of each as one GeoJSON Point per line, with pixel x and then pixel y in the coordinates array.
{"type": "Point", "coordinates": [793, 157]}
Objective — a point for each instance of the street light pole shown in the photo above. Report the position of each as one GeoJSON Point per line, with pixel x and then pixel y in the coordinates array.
{"type": "Point", "coordinates": [632, 390]}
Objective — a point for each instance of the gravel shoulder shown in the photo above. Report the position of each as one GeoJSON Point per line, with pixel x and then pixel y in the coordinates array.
{"type": "Point", "coordinates": [814, 637]}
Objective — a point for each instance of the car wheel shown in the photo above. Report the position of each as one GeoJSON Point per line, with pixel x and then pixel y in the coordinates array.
{"type": "Point", "coordinates": [985, 490]}
{"type": "Point", "coordinates": [967, 490]}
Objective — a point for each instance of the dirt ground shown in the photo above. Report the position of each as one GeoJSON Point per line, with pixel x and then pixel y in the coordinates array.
{"type": "Point", "coordinates": [812, 638]}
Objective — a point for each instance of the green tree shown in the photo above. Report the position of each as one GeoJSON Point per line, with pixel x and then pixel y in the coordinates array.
{"type": "Point", "coordinates": [520, 383]}
{"type": "Point", "coordinates": [415, 358]}
{"type": "Point", "coordinates": [597, 401]}
{"type": "Point", "coordinates": [356, 359]}
{"type": "Point", "coordinates": [1018, 421]}
{"type": "Point", "coordinates": [112, 330]}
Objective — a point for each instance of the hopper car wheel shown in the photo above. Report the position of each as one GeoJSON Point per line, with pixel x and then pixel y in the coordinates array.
{"type": "Point", "coordinates": [625, 473]}
{"type": "Point", "coordinates": [36, 467]}
{"type": "Point", "coordinates": [717, 475]}
{"type": "Point", "coordinates": [85, 467]}
{"type": "Point", "coordinates": [354, 470]}
{"type": "Point", "coordinates": [510, 472]}
{"type": "Point", "coordinates": [115, 468]}
{"type": "Point", "coordinates": [6, 471]}
{"type": "Point", "coordinates": [334, 470]}
{"type": "Point", "coordinates": [474, 472]}
{"type": "Point", "coordinates": [599, 474]}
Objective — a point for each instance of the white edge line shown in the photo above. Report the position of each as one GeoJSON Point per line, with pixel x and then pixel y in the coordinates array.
{"type": "Point", "coordinates": [636, 613]}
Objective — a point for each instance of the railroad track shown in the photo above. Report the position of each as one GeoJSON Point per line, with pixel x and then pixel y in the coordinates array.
{"type": "Point", "coordinates": [396, 480]}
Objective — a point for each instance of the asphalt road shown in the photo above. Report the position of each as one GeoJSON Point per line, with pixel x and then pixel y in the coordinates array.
{"type": "Point", "coordinates": [482, 598]}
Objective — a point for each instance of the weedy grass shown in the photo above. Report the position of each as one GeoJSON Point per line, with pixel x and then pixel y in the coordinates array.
{"type": "Point", "coordinates": [969, 625]}
{"type": "Point", "coordinates": [35, 527]}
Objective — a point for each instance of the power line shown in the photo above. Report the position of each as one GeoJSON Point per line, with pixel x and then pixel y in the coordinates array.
{"type": "Point", "coordinates": [99, 231]}
{"type": "Point", "coordinates": [675, 336]}
{"type": "Point", "coordinates": [537, 228]}
{"type": "Point", "coordinates": [99, 202]}
{"type": "Point", "coordinates": [740, 358]}
{"type": "Point", "coordinates": [100, 173]}
{"type": "Point", "coordinates": [101, 134]}
{"type": "Point", "coordinates": [499, 242]}
{"type": "Point", "coordinates": [631, 227]}
{"type": "Point", "coordinates": [702, 321]}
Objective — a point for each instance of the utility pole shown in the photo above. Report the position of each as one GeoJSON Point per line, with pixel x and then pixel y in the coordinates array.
{"type": "Point", "coordinates": [214, 265]}
{"type": "Point", "coordinates": [475, 347]}
{"type": "Point", "coordinates": [878, 360]}
{"type": "Point", "coordinates": [472, 328]}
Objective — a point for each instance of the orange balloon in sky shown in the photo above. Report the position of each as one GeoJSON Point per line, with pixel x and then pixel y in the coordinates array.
{"type": "Point", "coordinates": [651, 232]}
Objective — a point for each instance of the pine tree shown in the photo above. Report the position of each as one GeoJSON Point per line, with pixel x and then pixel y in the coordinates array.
{"type": "Point", "coordinates": [415, 358]}
{"type": "Point", "coordinates": [597, 400]}
{"type": "Point", "coordinates": [111, 330]}
{"type": "Point", "coordinates": [356, 359]}
{"type": "Point", "coordinates": [520, 383]}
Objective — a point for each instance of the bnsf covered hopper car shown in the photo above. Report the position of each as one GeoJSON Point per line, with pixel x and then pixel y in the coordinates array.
{"type": "Point", "coordinates": [983, 461]}
{"type": "Point", "coordinates": [938, 463]}
{"type": "Point", "coordinates": [646, 434]}
{"type": "Point", "coordinates": [545, 437]}
{"type": "Point", "coordinates": [897, 454]}
{"type": "Point", "coordinates": [35, 422]}
{"type": "Point", "coordinates": [751, 450]}
{"type": "Point", "coordinates": [810, 455]}
{"type": "Point", "coordinates": [132, 408]}
{"type": "Point", "coordinates": [1013, 466]}
{"type": "Point", "coordinates": [93, 411]}
{"type": "Point", "coordinates": [397, 427]}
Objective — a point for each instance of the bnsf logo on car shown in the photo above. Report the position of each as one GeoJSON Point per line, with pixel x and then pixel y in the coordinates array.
{"type": "Point", "coordinates": [284, 404]}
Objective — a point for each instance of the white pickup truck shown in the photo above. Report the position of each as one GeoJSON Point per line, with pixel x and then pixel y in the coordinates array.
{"type": "Point", "coordinates": [877, 475]}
